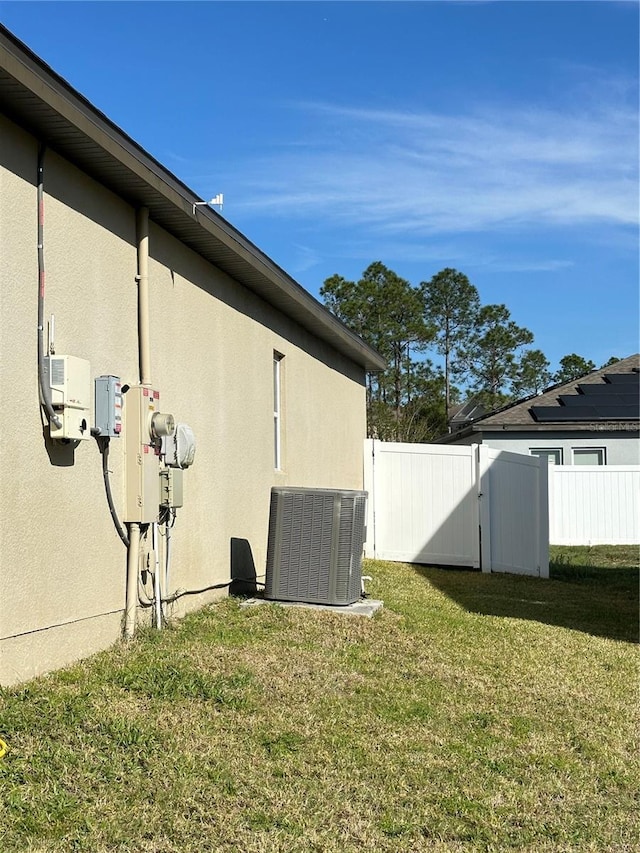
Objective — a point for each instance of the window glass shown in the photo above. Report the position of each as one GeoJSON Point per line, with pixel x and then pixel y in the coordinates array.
{"type": "Point", "coordinates": [588, 455]}
{"type": "Point", "coordinates": [553, 455]}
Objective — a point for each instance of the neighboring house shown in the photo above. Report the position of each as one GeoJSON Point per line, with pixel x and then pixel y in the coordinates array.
{"type": "Point", "coordinates": [272, 385]}
{"type": "Point", "coordinates": [594, 420]}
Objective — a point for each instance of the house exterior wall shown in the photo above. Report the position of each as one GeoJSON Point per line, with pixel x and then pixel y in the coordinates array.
{"type": "Point", "coordinates": [62, 564]}
{"type": "Point", "coordinates": [621, 448]}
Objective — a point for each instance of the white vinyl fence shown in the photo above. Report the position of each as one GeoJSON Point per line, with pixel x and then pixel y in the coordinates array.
{"type": "Point", "coordinates": [594, 504]}
{"type": "Point", "coordinates": [514, 512]}
{"type": "Point", "coordinates": [457, 506]}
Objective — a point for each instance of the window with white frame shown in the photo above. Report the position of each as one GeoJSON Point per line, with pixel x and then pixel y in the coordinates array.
{"type": "Point", "coordinates": [588, 455]}
{"type": "Point", "coordinates": [277, 410]}
{"type": "Point", "coordinates": [553, 455]}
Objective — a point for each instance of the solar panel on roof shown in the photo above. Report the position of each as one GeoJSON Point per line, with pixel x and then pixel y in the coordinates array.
{"type": "Point", "coordinates": [470, 410]}
{"type": "Point", "coordinates": [622, 378]}
{"type": "Point", "coordinates": [612, 388]}
{"type": "Point", "coordinates": [600, 400]}
{"type": "Point", "coordinates": [558, 414]}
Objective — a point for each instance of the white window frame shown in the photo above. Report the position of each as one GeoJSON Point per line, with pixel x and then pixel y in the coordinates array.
{"type": "Point", "coordinates": [277, 410]}
{"type": "Point", "coordinates": [542, 452]}
{"type": "Point", "coordinates": [578, 451]}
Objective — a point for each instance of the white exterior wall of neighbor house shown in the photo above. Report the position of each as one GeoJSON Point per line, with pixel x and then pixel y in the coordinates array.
{"type": "Point", "coordinates": [62, 564]}
{"type": "Point", "coordinates": [621, 448]}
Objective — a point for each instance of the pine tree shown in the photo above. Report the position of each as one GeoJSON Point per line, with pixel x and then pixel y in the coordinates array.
{"type": "Point", "coordinates": [451, 306]}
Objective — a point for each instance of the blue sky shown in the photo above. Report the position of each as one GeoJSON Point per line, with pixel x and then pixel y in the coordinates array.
{"type": "Point", "coordinates": [499, 138]}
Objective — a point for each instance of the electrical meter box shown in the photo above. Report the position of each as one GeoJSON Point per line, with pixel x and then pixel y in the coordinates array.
{"type": "Point", "coordinates": [69, 379]}
{"type": "Point", "coordinates": [142, 454]}
{"type": "Point", "coordinates": [108, 406]}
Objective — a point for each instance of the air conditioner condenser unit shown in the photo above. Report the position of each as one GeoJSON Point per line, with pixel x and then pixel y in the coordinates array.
{"type": "Point", "coordinates": [315, 545]}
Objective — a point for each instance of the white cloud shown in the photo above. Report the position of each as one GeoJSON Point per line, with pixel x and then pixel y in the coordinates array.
{"type": "Point", "coordinates": [522, 266]}
{"type": "Point", "coordinates": [304, 258]}
{"type": "Point", "coordinates": [453, 253]}
{"type": "Point", "coordinates": [412, 173]}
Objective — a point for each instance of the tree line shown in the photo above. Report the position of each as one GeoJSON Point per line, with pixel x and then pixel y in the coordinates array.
{"type": "Point", "coordinates": [486, 355]}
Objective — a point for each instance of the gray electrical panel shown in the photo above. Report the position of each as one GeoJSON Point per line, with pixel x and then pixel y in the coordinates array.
{"type": "Point", "coordinates": [108, 406]}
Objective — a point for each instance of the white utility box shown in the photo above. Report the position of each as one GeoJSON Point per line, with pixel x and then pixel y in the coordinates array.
{"type": "Point", "coordinates": [69, 379]}
{"type": "Point", "coordinates": [144, 425]}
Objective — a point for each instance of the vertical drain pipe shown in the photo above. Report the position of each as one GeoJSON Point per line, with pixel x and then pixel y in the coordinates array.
{"type": "Point", "coordinates": [144, 361]}
{"type": "Point", "coordinates": [142, 223]}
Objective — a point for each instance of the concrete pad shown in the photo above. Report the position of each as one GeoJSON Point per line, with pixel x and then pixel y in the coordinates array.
{"type": "Point", "coordinates": [364, 607]}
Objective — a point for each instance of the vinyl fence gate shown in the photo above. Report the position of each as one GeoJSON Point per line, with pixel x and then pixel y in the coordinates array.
{"type": "Point", "coordinates": [457, 506]}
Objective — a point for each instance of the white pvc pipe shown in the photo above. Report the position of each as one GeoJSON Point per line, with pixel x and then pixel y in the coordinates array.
{"type": "Point", "coordinates": [157, 586]}
{"type": "Point", "coordinates": [133, 566]}
{"type": "Point", "coordinates": [142, 226]}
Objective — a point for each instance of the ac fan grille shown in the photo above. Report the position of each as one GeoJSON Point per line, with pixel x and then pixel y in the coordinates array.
{"type": "Point", "coordinates": [315, 545]}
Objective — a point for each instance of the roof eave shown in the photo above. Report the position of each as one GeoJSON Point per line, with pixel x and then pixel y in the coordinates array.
{"type": "Point", "coordinates": [566, 426]}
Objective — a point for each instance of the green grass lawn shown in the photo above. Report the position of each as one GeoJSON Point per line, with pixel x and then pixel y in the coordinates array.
{"type": "Point", "coordinates": [474, 712]}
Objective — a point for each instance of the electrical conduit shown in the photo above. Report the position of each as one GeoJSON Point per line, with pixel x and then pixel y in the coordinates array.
{"type": "Point", "coordinates": [144, 360]}
{"type": "Point", "coordinates": [142, 223]}
{"type": "Point", "coordinates": [157, 587]}
{"type": "Point", "coordinates": [45, 390]}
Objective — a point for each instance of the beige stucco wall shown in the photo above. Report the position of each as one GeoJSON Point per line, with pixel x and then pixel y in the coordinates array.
{"type": "Point", "coordinates": [212, 342]}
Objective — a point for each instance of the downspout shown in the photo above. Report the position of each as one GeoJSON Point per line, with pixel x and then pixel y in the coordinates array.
{"type": "Point", "coordinates": [144, 360]}
{"type": "Point", "coordinates": [45, 390]}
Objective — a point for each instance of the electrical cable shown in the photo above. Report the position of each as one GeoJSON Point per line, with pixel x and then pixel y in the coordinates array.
{"type": "Point", "coordinates": [166, 518]}
{"type": "Point", "coordinates": [144, 599]}
{"type": "Point", "coordinates": [144, 602]}
{"type": "Point", "coordinates": [103, 445]}
{"type": "Point", "coordinates": [182, 592]}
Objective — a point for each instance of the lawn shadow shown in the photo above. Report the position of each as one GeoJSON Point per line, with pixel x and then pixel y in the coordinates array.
{"type": "Point", "coordinates": [599, 601]}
